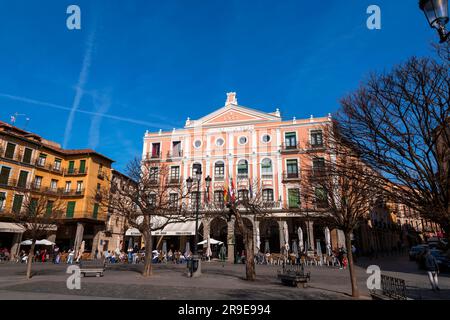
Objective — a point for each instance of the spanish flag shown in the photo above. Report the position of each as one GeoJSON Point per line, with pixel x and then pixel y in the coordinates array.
{"type": "Point", "coordinates": [225, 194]}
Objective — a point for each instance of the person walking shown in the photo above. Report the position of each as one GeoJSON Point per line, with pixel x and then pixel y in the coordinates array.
{"type": "Point", "coordinates": [432, 268]}
{"type": "Point", "coordinates": [71, 255]}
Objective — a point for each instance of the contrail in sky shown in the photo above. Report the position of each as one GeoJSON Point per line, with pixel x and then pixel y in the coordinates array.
{"type": "Point", "coordinates": [99, 114]}
{"type": "Point", "coordinates": [79, 88]}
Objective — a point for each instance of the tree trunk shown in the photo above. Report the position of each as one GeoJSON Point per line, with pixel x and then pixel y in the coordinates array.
{"type": "Point", "coordinates": [351, 266]}
{"type": "Point", "coordinates": [30, 258]}
{"type": "Point", "coordinates": [250, 271]}
{"type": "Point", "coordinates": [148, 254]}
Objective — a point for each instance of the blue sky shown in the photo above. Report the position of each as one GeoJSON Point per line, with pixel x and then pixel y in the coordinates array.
{"type": "Point", "coordinates": [138, 65]}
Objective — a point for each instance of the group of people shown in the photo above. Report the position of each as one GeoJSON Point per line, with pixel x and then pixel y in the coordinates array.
{"type": "Point", "coordinates": [4, 254]}
{"type": "Point", "coordinates": [175, 256]}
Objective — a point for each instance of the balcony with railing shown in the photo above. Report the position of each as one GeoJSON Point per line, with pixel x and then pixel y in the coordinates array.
{"type": "Point", "coordinates": [75, 172]}
{"type": "Point", "coordinates": [291, 176]}
{"type": "Point", "coordinates": [242, 176]}
{"type": "Point", "coordinates": [290, 147]}
{"type": "Point", "coordinates": [174, 180]}
{"type": "Point", "coordinates": [219, 178]}
{"type": "Point", "coordinates": [174, 154]}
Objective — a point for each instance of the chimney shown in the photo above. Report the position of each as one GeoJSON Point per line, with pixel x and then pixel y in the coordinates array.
{"type": "Point", "coordinates": [231, 99]}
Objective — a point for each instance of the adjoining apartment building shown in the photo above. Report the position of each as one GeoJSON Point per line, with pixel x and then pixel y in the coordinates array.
{"type": "Point", "coordinates": [246, 145]}
{"type": "Point", "coordinates": [32, 164]}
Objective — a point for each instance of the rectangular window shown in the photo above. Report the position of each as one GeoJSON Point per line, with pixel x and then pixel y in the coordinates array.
{"type": "Point", "coordinates": [70, 209]}
{"type": "Point", "coordinates": [68, 187]}
{"type": "Point", "coordinates": [27, 156]}
{"type": "Point", "coordinates": [37, 182]}
{"type": "Point", "coordinates": [175, 173]}
{"type": "Point", "coordinates": [95, 211]}
{"type": "Point", "coordinates": [219, 170]}
{"type": "Point", "coordinates": [195, 198]}
{"type": "Point", "coordinates": [4, 175]}
{"type": "Point", "coordinates": [173, 200]}
{"type": "Point", "coordinates": [218, 198]}
{"type": "Point", "coordinates": [156, 149]}
{"type": "Point", "coordinates": [176, 149]}
{"type": "Point", "coordinates": [79, 186]}
{"type": "Point", "coordinates": [294, 198]}
{"type": "Point", "coordinates": [197, 167]}
{"type": "Point", "coordinates": [321, 197]}
{"type": "Point", "coordinates": [2, 200]}
{"type": "Point", "coordinates": [82, 166]}
{"type": "Point", "coordinates": [318, 165]}
{"type": "Point", "coordinates": [292, 168]}
{"type": "Point", "coordinates": [10, 149]}
{"type": "Point", "coordinates": [54, 185]}
{"type": "Point", "coordinates": [268, 195]}
{"type": "Point", "coordinates": [316, 138]}
{"type": "Point", "coordinates": [49, 208]}
{"type": "Point", "coordinates": [154, 171]}
{"type": "Point", "coordinates": [243, 168]}
{"type": "Point", "coordinates": [41, 160]}
{"type": "Point", "coordinates": [17, 203]}
{"type": "Point", "coordinates": [243, 195]}
{"type": "Point", "coordinates": [23, 177]}
{"type": "Point", "coordinates": [290, 139]}
{"type": "Point", "coordinates": [57, 165]}
{"type": "Point", "coordinates": [71, 168]}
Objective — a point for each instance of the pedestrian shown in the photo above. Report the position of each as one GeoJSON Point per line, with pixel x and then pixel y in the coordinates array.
{"type": "Point", "coordinates": [71, 255]}
{"type": "Point", "coordinates": [432, 268]}
{"type": "Point", "coordinates": [354, 253]}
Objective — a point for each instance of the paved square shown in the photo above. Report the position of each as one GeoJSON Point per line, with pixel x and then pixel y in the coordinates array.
{"type": "Point", "coordinates": [217, 282]}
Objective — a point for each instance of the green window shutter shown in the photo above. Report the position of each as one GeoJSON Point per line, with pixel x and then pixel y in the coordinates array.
{"type": "Point", "coordinates": [70, 209]}
{"type": "Point", "coordinates": [27, 156]}
{"type": "Point", "coordinates": [10, 148]}
{"type": "Point", "coordinates": [22, 179]}
{"type": "Point", "coordinates": [293, 198]}
{"type": "Point", "coordinates": [4, 175]}
{"type": "Point", "coordinates": [71, 166]}
{"type": "Point", "coordinates": [17, 203]}
{"type": "Point", "coordinates": [33, 207]}
{"type": "Point", "coordinates": [82, 166]}
{"type": "Point", "coordinates": [49, 209]}
{"type": "Point", "coordinates": [95, 213]}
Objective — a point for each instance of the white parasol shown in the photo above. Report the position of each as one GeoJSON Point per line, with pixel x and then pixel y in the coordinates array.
{"type": "Point", "coordinates": [286, 232]}
{"type": "Point", "coordinates": [328, 240]}
{"type": "Point", "coordinates": [208, 248]}
{"type": "Point", "coordinates": [300, 239]}
{"type": "Point", "coordinates": [211, 241]}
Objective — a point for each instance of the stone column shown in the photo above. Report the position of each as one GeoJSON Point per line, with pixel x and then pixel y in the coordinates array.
{"type": "Point", "coordinates": [281, 232]}
{"type": "Point", "coordinates": [310, 232]}
{"type": "Point", "coordinates": [14, 252]}
{"type": "Point", "coordinates": [78, 237]}
{"type": "Point", "coordinates": [96, 241]}
{"type": "Point", "coordinates": [230, 240]}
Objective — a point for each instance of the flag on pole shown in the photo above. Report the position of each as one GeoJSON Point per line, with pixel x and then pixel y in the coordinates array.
{"type": "Point", "coordinates": [232, 193]}
{"type": "Point", "coordinates": [225, 194]}
{"type": "Point", "coordinates": [251, 192]}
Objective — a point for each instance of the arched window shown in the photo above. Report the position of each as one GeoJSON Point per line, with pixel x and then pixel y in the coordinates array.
{"type": "Point", "coordinates": [219, 170]}
{"type": "Point", "coordinates": [266, 168]}
{"type": "Point", "coordinates": [242, 169]}
{"type": "Point", "coordinates": [196, 168]}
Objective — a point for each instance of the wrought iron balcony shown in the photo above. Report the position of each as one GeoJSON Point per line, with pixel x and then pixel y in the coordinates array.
{"type": "Point", "coordinates": [291, 176]}
{"type": "Point", "coordinates": [75, 172]}
{"type": "Point", "coordinates": [288, 148]}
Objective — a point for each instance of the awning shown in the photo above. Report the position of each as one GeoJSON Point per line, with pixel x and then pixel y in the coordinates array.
{"type": "Point", "coordinates": [132, 232]}
{"type": "Point", "coordinates": [177, 229]}
{"type": "Point", "coordinates": [11, 227]}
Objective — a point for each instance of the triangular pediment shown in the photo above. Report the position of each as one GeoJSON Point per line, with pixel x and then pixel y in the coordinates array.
{"type": "Point", "coordinates": [234, 114]}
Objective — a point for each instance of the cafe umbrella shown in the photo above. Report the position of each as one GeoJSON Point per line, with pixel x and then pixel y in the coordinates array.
{"type": "Point", "coordinates": [300, 238]}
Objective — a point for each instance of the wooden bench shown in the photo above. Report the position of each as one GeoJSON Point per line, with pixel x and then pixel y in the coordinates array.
{"type": "Point", "coordinates": [294, 276]}
{"type": "Point", "coordinates": [92, 267]}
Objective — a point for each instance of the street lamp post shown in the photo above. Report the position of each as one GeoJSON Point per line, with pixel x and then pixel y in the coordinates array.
{"type": "Point", "coordinates": [436, 12]}
{"type": "Point", "coordinates": [195, 268]}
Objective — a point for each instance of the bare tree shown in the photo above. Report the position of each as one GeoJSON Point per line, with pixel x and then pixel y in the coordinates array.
{"type": "Point", "coordinates": [341, 189]}
{"type": "Point", "coordinates": [149, 201]}
{"type": "Point", "coordinates": [398, 123]}
{"type": "Point", "coordinates": [249, 204]}
{"type": "Point", "coordinates": [38, 214]}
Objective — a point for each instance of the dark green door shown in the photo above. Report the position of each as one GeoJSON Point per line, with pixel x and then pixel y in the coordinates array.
{"type": "Point", "coordinates": [70, 209]}
{"type": "Point", "coordinates": [95, 213]}
{"type": "Point", "coordinates": [4, 175]}
{"type": "Point", "coordinates": [22, 179]}
{"type": "Point", "coordinates": [27, 156]}
{"type": "Point", "coordinates": [17, 203]}
{"type": "Point", "coordinates": [71, 166]}
{"type": "Point", "coordinates": [82, 166]}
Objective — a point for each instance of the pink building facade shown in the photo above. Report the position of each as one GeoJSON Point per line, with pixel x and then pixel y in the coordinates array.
{"type": "Point", "coordinates": [247, 145]}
